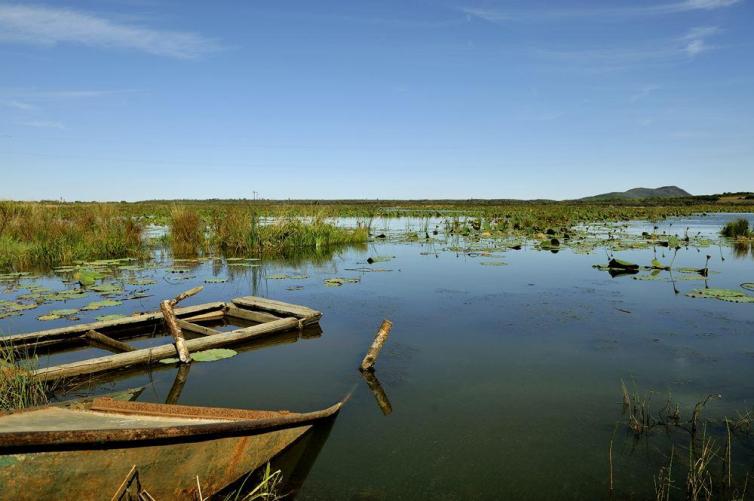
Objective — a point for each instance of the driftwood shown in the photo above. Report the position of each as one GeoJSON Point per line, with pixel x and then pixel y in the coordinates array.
{"type": "Point", "coordinates": [168, 313]}
{"type": "Point", "coordinates": [374, 351]}
{"type": "Point", "coordinates": [108, 342]}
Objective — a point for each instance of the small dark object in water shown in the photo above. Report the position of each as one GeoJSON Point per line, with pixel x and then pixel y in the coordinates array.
{"type": "Point", "coordinates": [555, 242]}
{"type": "Point", "coordinates": [434, 232]}
{"type": "Point", "coordinates": [550, 231]}
{"type": "Point", "coordinates": [370, 260]}
{"type": "Point", "coordinates": [381, 235]}
{"type": "Point", "coordinates": [663, 244]}
{"type": "Point", "coordinates": [566, 236]}
{"type": "Point", "coordinates": [516, 247]}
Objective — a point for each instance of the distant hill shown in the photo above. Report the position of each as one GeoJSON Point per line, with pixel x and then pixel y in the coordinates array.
{"type": "Point", "coordinates": [639, 193]}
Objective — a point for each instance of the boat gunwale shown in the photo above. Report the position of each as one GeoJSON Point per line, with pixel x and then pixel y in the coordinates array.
{"type": "Point", "coordinates": [49, 441]}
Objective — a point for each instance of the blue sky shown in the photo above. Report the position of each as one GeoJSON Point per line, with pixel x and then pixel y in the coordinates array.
{"type": "Point", "coordinates": [139, 99]}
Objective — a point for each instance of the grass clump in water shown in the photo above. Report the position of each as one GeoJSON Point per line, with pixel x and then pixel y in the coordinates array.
{"type": "Point", "coordinates": [187, 234]}
{"type": "Point", "coordinates": [737, 229]}
{"type": "Point", "coordinates": [19, 389]}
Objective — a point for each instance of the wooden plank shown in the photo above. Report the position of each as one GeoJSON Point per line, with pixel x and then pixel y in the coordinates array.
{"type": "Point", "coordinates": [154, 355]}
{"type": "Point", "coordinates": [199, 329]}
{"type": "Point", "coordinates": [253, 316]}
{"type": "Point", "coordinates": [204, 317]}
{"type": "Point", "coordinates": [80, 329]}
{"type": "Point", "coordinates": [307, 315]}
{"type": "Point", "coordinates": [113, 344]}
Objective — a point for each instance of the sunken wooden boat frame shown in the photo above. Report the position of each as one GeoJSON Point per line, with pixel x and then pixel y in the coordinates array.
{"type": "Point", "coordinates": [270, 317]}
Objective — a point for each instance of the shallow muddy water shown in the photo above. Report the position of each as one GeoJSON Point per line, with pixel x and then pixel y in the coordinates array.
{"type": "Point", "coordinates": [503, 371]}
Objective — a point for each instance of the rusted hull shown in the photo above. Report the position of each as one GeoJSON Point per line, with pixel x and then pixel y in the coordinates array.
{"type": "Point", "coordinates": [167, 471]}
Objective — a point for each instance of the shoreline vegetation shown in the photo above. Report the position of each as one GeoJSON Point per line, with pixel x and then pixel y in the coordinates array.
{"type": "Point", "coordinates": [47, 234]}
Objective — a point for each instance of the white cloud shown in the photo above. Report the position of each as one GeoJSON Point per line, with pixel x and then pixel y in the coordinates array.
{"type": "Point", "coordinates": [49, 26]}
{"type": "Point", "coordinates": [607, 13]}
{"type": "Point", "coordinates": [18, 105]}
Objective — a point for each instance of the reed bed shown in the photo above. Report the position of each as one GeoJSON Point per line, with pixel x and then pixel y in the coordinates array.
{"type": "Point", "coordinates": [737, 229]}
{"type": "Point", "coordinates": [39, 235]}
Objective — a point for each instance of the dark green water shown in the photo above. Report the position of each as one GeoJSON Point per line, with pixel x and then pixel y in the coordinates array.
{"type": "Point", "coordinates": [504, 380]}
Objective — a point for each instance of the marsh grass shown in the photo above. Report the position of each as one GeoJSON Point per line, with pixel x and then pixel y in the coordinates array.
{"type": "Point", "coordinates": [737, 229]}
{"type": "Point", "coordinates": [187, 232]}
{"type": "Point", "coordinates": [18, 387]}
{"type": "Point", "coordinates": [708, 469]}
{"type": "Point", "coordinates": [38, 235]}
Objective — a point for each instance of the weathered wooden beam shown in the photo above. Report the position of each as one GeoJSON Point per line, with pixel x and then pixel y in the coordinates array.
{"type": "Point", "coordinates": [168, 315]}
{"type": "Point", "coordinates": [253, 316]}
{"type": "Point", "coordinates": [205, 317]}
{"type": "Point", "coordinates": [154, 355]}
{"type": "Point", "coordinates": [306, 315]}
{"type": "Point", "coordinates": [113, 344]}
{"type": "Point", "coordinates": [374, 351]}
{"type": "Point", "coordinates": [199, 329]}
{"type": "Point", "coordinates": [74, 331]}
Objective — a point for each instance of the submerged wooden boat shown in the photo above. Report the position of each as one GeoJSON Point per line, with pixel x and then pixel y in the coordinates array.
{"type": "Point", "coordinates": [85, 450]}
{"type": "Point", "coordinates": [258, 316]}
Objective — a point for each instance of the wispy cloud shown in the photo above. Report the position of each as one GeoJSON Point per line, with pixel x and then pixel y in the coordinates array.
{"type": "Point", "coordinates": [44, 124]}
{"type": "Point", "coordinates": [695, 40]}
{"type": "Point", "coordinates": [17, 105]}
{"type": "Point", "coordinates": [606, 13]}
{"type": "Point", "coordinates": [49, 26]}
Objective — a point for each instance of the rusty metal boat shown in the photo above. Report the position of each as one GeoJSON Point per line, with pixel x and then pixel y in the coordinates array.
{"type": "Point", "coordinates": [85, 450]}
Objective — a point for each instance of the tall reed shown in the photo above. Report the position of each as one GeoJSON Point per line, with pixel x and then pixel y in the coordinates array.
{"type": "Point", "coordinates": [187, 232]}
{"type": "Point", "coordinates": [49, 235]}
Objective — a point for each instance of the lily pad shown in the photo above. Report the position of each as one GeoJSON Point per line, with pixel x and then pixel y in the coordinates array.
{"type": "Point", "coordinates": [141, 281]}
{"type": "Point", "coordinates": [87, 277]}
{"type": "Point", "coordinates": [729, 295]}
{"type": "Point", "coordinates": [204, 356]}
{"type": "Point", "coordinates": [112, 316]}
{"type": "Point", "coordinates": [108, 289]}
{"type": "Point", "coordinates": [748, 286]}
{"type": "Point", "coordinates": [657, 265]}
{"type": "Point", "coordinates": [337, 282]}
{"type": "Point", "coordinates": [105, 303]}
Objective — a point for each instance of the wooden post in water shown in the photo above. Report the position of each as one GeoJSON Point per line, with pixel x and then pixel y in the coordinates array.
{"type": "Point", "coordinates": [374, 351]}
{"type": "Point", "coordinates": [171, 322]}
{"type": "Point", "coordinates": [178, 383]}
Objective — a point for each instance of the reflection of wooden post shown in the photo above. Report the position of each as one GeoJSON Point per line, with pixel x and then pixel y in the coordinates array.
{"type": "Point", "coordinates": [178, 383]}
{"type": "Point", "coordinates": [378, 392]}
{"type": "Point", "coordinates": [168, 314]}
{"type": "Point", "coordinates": [374, 351]}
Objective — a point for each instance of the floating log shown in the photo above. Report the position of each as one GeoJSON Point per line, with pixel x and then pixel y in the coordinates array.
{"type": "Point", "coordinates": [374, 351]}
{"type": "Point", "coordinates": [112, 344]}
{"type": "Point", "coordinates": [153, 355]}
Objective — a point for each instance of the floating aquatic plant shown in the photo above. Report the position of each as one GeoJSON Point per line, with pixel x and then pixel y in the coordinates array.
{"type": "Point", "coordinates": [729, 295]}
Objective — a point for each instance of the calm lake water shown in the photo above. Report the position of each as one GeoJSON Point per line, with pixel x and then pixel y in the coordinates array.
{"type": "Point", "coordinates": [504, 380]}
